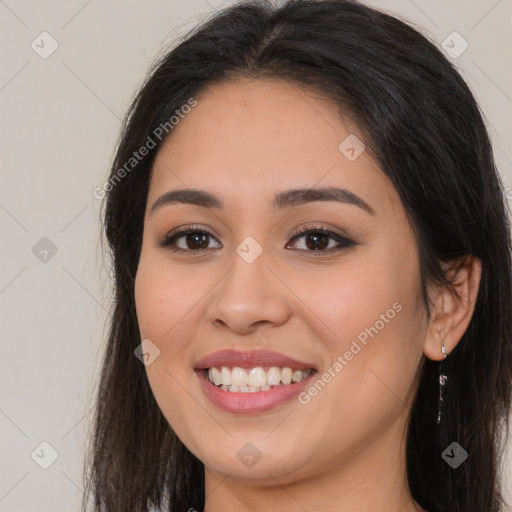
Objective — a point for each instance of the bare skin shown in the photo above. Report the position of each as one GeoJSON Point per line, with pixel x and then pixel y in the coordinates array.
{"type": "Point", "coordinates": [343, 450]}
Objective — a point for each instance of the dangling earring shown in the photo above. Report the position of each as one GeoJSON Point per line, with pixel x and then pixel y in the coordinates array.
{"type": "Point", "coordinates": [442, 381]}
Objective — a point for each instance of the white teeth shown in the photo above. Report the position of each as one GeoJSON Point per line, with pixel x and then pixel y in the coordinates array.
{"type": "Point", "coordinates": [239, 380]}
{"type": "Point", "coordinates": [273, 376]}
{"type": "Point", "coordinates": [238, 377]}
{"type": "Point", "coordinates": [286, 375]}
{"type": "Point", "coordinates": [225, 376]}
{"type": "Point", "coordinates": [257, 377]}
{"type": "Point", "coordinates": [297, 376]}
{"type": "Point", "coordinates": [214, 376]}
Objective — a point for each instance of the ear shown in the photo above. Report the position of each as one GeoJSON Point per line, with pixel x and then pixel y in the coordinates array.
{"type": "Point", "coordinates": [452, 306]}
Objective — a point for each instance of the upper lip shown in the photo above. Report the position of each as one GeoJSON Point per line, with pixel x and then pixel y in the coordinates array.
{"type": "Point", "coordinates": [250, 359]}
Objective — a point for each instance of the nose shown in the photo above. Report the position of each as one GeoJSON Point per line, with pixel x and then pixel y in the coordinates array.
{"type": "Point", "coordinates": [251, 294]}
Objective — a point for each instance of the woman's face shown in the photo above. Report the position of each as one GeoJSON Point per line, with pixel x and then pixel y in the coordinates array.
{"type": "Point", "coordinates": [350, 309]}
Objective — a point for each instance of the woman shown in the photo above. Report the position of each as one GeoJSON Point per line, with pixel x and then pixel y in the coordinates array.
{"type": "Point", "coordinates": [312, 273]}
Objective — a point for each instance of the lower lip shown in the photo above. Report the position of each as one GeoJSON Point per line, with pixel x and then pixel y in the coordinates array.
{"type": "Point", "coordinates": [250, 403]}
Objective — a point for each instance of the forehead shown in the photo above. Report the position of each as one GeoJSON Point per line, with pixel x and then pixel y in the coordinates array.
{"type": "Point", "coordinates": [253, 137]}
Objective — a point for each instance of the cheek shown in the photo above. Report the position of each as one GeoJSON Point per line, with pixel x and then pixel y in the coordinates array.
{"type": "Point", "coordinates": [165, 309]}
{"type": "Point", "coordinates": [372, 359]}
{"type": "Point", "coordinates": [371, 294]}
{"type": "Point", "coordinates": [367, 314]}
{"type": "Point", "coordinates": [166, 301]}
{"type": "Point", "coordinates": [164, 304]}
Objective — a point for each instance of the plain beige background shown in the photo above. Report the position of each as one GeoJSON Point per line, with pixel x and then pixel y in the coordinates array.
{"type": "Point", "coordinates": [60, 120]}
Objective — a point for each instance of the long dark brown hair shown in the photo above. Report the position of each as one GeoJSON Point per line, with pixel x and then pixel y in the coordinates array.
{"type": "Point", "coordinates": [424, 127]}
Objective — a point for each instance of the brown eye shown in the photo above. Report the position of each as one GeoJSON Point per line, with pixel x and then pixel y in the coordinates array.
{"type": "Point", "coordinates": [317, 239]}
{"type": "Point", "coordinates": [193, 240]}
{"type": "Point", "coordinates": [196, 240]}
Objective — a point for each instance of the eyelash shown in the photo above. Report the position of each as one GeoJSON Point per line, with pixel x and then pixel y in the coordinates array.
{"type": "Point", "coordinates": [343, 242]}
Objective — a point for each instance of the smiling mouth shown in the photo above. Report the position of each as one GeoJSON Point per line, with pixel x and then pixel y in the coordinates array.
{"type": "Point", "coordinates": [254, 380]}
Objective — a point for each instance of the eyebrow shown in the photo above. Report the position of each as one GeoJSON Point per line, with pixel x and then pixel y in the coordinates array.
{"type": "Point", "coordinates": [284, 199]}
